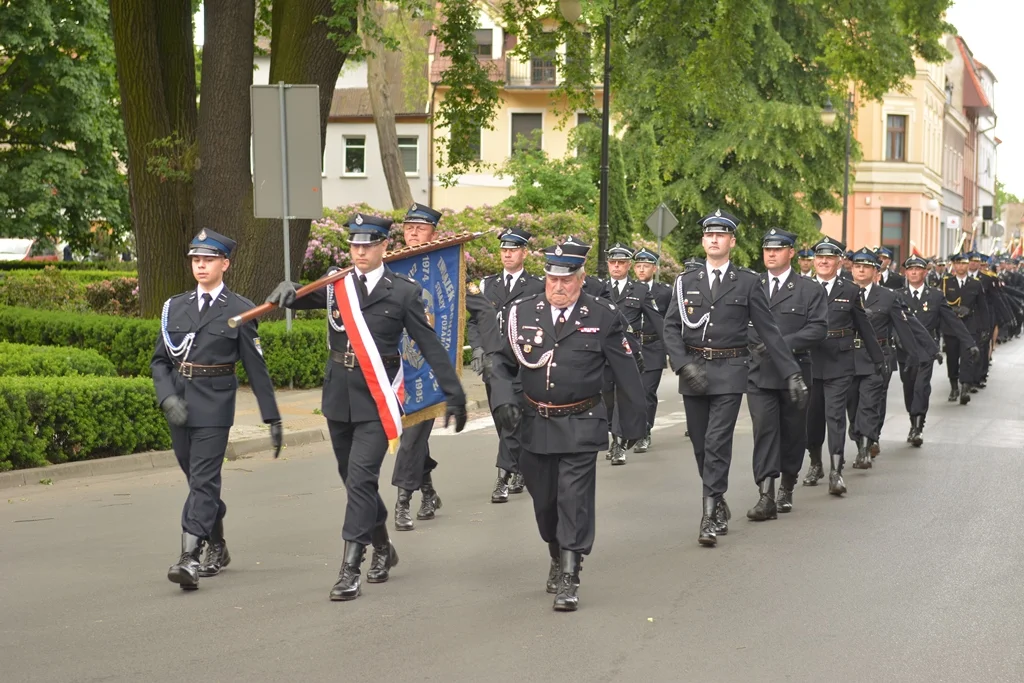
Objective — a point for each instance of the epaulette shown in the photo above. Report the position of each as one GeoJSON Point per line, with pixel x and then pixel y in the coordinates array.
{"type": "Point", "coordinates": [407, 279]}
{"type": "Point", "coordinates": [693, 267]}
{"type": "Point", "coordinates": [990, 273]}
{"type": "Point", "coordinates": [244, 300]}
{"type": "Point", "coordinates": [744, 269]}
{"type": "Point", "coordinates": [529, 297]}
{"type": "Point", "coordinates": [604, 302]}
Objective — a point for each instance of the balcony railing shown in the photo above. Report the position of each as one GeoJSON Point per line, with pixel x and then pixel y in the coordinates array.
{"type": "Point", "coordinates": [535, 72]}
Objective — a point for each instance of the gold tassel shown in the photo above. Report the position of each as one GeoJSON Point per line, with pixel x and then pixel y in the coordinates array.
{"type": "Point", "coordinates": [393, 446]}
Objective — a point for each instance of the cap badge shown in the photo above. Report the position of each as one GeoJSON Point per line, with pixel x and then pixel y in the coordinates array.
{"type": "Point", "coordinates": [558, 251]}
{"type": "Point", "coordinates": [414, 208]}
{"type": "Point", "coordinates": [826, 241]}
{"type": "Point", "coordinates": [202, 235]}
{"type": "Point", "coordinates": [359, 219]}
{"type": "Point", "coordinates": [718, 213]}
{"type": "Point", "coordinates": [772, 232]}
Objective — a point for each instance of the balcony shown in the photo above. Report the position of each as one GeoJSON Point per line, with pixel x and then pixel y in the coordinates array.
{"type": "Point", "coordinates": [534, 72]}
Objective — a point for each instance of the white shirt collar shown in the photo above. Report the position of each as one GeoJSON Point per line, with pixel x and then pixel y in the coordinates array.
{"type": "Point", "coordinates": [919, 290]}
{"type": "Point", "coordinates": [722, 269]}
{"type": "Point", "coordinates": [515, 276]}
{"type": "Point", "coordinates": [568, 311]}
{"type": "Point", "coordinates": [214, 293]}
{"type": "Point", "coordinates": [827, 282]}
{"type": "Point", "coordinates": [782, 278]}
{"type": "Point", "coordinates": [372, 278]}
{"type": "Point", "coordinates": [621, 284]}
{"type": "Point", "coordinates": [867, 290]}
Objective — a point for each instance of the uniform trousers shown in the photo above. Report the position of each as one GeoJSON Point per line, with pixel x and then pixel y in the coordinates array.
{"type": "Point", "coordinates": [827, 409]}
{"type": "Point", "coordinates": [780, 432]}
{"type": "Point", "coordinates": [959, 365]}
{"type": "Point", "coordinates": [359, 448]}
{"type": "Point", "coordinates": [651, 380]}
{"type": "Point", "coordinates": [509, 441]}
{"type": "Point", "coordinates": [200, 454]}
{"type": "Point", "coordinates": [864, 405]}
{"type": "Point", "coordinates": [564, 489]}
{"type": "Point", "coordinates": [917, 386]}
{"type": "Point", "coordinates": [711, 421]}
{"type": "Point", "coordinates": [413, 461]}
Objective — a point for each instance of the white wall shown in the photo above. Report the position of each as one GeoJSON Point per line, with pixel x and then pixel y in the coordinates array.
{"type": "Point", "coordinates": [341, 189]}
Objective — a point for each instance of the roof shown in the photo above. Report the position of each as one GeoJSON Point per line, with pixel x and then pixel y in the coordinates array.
{"type": "Point", "coordinates": [974, 93]}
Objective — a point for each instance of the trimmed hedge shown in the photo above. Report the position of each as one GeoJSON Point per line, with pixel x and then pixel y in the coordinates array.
{"type": "Point", "coordinates": [71, 265]}
{"type": "Point", "coordinates": [22, 360]}
{"type": "Point", "coordinates": [49, 420]}
{"type": "Point", "coordinates": [84, 277]}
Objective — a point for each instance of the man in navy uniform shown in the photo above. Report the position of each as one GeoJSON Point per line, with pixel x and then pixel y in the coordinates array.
{"type": "Point", "coordinates": [833, 364]}
{"type": "Point", "coordinates": [635, 303]}
{"type": "Point", "coordinates": [965, 296]}
{"type": "Point", "coordinates": [806, 261]}
{"type": "Point", "coordinates": [388, 304]}
{"type": "Point", "coordinates": [501, 290]}
{"type": "Point", "coordinates": [193, 370]}
{"type": "Point", "coordinates": [558, 344]}
{"type": "Point", "coordinates": [706, 338]}
{"type": "Point", "coordinates": [937, 272]}
{"type": "Point", "coordinates": [652, 333]}
{"type": "Point", "coordinates": [888, 278]}
{"type": "Point", "coordinates": [931, 310]}
{"type": "Point", "coordinates": [780, 430]}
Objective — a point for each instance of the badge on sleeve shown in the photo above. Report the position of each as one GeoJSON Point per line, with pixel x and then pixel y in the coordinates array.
{"type": "Point", "coordinates": [626, 346]}
{"type": "Point", "coordinates": [256, 342]}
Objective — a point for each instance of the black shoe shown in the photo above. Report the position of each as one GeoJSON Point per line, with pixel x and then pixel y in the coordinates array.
{"type": "Point", "coordinates": [217, 555]}
{"type": "Point", "coordinates": [500, 492]}
{"type": "Point", "coordinates": [873, 450]}
{"type": "Point", "coordinates": [815, 472]}
{"type": "Point", "coordinates": [643, 445]}
{"type": "Point", "coordinates": [617, 452]}
{"type": "Point", "coordinates": [555, 570]}
{"type": "Point", "coordinates": [403, 518]}
{"type": "Point", "coordinates": [836, 485]}
{"type": "Point", "coordinates": [917, 436]}
{"type": "Point", "coordinates": [863, 460]}
{"type": "Point", "coordinates": [567, 598]}
{"type": "Point", "coordinates": [765, 508]}
{"type": "Point", "coordinates": [954, 391]}
{"type": "Point", "coordinates": [384, 556]}
{"type": "Point", "coordinates": [912, 432]}
{"type": "Point", "coordinates": [784, 500]}
{"type": "Point", "coordinates": [430, 502]}
{"type": "Point", "coordinates": [965, 394]}
{"type": "Point", "coordinates": [347, 585]}
{"type": "Point", "coordinates": [722, 516]}
{"type": "Point", "coordinates": [517, 483]}
{"type": "Point", "coordinates": [185, 572]}
{"type": "Point", "coordinates": [707, 536]}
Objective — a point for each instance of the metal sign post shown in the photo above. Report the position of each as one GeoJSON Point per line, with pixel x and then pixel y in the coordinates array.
{"type": "Point", "coordinates": [284, 198]}
{"type": "Point", "coordinates": [661, 223]}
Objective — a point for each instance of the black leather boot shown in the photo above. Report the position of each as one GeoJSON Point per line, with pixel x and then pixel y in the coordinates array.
{"type": "Point", "coordinates": [617, 452]}
{"type": "Point", "coordinates": [567, 598]}
{"type": "Point", "coordinates": [815, 472]}
{"type": "Point", "coordinates": [722, 516]}
{"type": "Point", "coordinates": [384, 556]}
{"type": "Point", "coordinates": [784, 501]}
{"type": "Point", "coordinates": [500, 492]}
{"type": "Point", "coordinates": [707, 535]}
{"type": "Point", "coordinates": [347, 585]}
{"type": "Point", "coordinates": [185, 572]}
{"type": "Point", "coordinates": [918, 432]}
{"type": "Point", "coordinates": [217, 555]}
{"type": "Point", "coordinates": [430, 502]}
{"type": "Point", "coordinates": [913, 430]}
{"type": "Point", "coordinates": [836, 485]}
{"type": "Point", "coordinates": [965, 394]}
{"type": "Point", "coordinates": [874, 450]}
{"type": "Point", "coordinates": [765, 508]}
{"type": "Point", "coordinates": [954, 391]}
{"type": "Point", "coordinates": [643, 445]}
{"type": "Point", "coordinates": [863, 460]}
{"type": "Point", "coordinates": [403, 518]}
{"type": "Point", "coordinates": [555, 570]}
{"type": "Point", "coordinates": [516, 483]}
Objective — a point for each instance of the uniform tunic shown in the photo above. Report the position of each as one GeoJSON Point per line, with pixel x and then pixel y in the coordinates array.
{"type": "Point", "coordinates": [970, 305]}
{"type": "Point", "coordinates": [652, 345]}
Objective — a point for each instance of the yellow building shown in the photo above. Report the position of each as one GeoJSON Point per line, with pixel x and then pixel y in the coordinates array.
{"type": "Point", "coordinates": [895, 190]}
{"type": "Point", "coordinates": [525, 106]}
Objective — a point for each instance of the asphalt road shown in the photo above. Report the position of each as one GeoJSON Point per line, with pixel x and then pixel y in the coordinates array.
{"type": "Point", "coordinates": [914, 576]}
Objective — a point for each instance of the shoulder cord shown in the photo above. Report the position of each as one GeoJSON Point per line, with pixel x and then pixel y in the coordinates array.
{"type": "Point", "coordinates": [175, 350]}
{"type": "Point", "coordinates": [682, 312]}
{"type": "Point", "coordinates": [951, 303]}
{"type": "Point", "coordinates": [330, 318]}
{"type": "Point", "coordinates": [513, 334]}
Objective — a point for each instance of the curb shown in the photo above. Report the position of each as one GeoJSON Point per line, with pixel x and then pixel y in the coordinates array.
{"type": "Point", "coordinates": [154, 460]}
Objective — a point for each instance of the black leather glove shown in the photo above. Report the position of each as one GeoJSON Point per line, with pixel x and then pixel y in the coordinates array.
{"type": "Point", "coordinates": [176, 410]}
{"type": "Point", "coordinates": [508, 416]}
{"type": "Point", "coordinates": [478, 361]}
{"type": "Point", "coordinates": [797, 390]}
{"type": "Point", "coordinates": [283, 295]}
{"type": "Point", "coordinates": [458, 411]}
{"type": "Point", "coordinates": [695, 376]}
{"type": "Point", "coordinates": [975, 353]}
{"type": "Point", "coordinates": [628, 444]}
{"type": "Point", "coordinates": [880, 368]}
{"type": "Point", "coordinates": [277, 437]}
{"type": "Point", "coordinates": [937, 357]}
{"type": "Point", "coordinates": [488, 372]}
{"type": "Point", "coordinates": [640, 362]}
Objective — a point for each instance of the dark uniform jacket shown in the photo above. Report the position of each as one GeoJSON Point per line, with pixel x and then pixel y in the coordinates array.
{"type": "Point", "coordinates": [833, 357]}
{"type": "Point", "coordinates": [887, 315]}
{"type": "Point", "coordinates": [596, 287]}
{"type": "Point", "coordinates": [740, 301]}
{"type": "Point", "coordinates": [652, 330]}
{"type": "Point", "coordinates": [394, 305]}
{"type": "Point", "coordinates": [492, 289]}
{"type": "Point", "coordinates": [937, 317]}
{"type": "Point", "coordinates": [893, 280]}
{"type": "Point", "coordinates": [933, 279]}
{"type": "Point", "coordinates": [211, 400]}
{"type": "Point", "coordinates": [591, 337]}
{"type": "Point", "coordinates": [638, 308]}
{"type": "Point", "coordinates": [801, 312]}
{"type": "Point", "coordinates": [968, 303]}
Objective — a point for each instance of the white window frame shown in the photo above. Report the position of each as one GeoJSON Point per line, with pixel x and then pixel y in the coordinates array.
{"type": "Point", "coordinates": [416, 146]}
{"type": "Point", "coordinates": [344, 156]}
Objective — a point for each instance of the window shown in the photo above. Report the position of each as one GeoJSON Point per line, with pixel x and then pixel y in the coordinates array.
{"type": "Point", "coordinates": [355, 155]}
{"type": "Point", "coordinates": [896, 232]}
{"type": "Point", "coordinates": [484, 42]}
{"type": "Point", "coordinates": [409, 148]}
{"type": "Point", "coordinates": [896, 138]}
{"type": "Point", "coordinates": [583, 119]}
{"type": "Point", "coordinates": [543, 69]}
{"type": "Point", "coordinates": [476, 143]}
{"type": "Point", "coordinates": [527, 132]}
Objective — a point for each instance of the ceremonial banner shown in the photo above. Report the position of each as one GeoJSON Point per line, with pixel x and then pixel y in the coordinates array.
{"type": "Point", "coordinates": [442, 274]}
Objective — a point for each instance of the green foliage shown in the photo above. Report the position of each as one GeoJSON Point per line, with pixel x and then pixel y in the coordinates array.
{"type": "Point", "coordinates": [114, 266]}
{"type": "Point", "coordinates": [1002, 199]}
{"type": "Point", "coordinates": [49, 289]}
{"type": "Point", "coordinates": [60, 129]}
{"type": "Point", "coordinates": [544, 185]}
{"type": "Point", "coordinates": [297, 359]}
{"type": "Point", "coordinates": [173, 158]}
{"type": "Point", "coordinates": [83, 276]}
{"type": "Point", "coordinates": [116, 296]}
{"type": "Point", "coordinates": [620, 227]}
{"type": "Point", "coordinates": [23, 360]}
{"type": "Point", "coordinates": [49, 420]}
{"type": "Point", "coordinates": [643, 173]}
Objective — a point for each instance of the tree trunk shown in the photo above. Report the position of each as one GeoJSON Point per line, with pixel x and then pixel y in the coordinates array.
{"type": "Point", "coordinates": [383, 108]}
{"type": "Point", "coordinates": [151, 88]}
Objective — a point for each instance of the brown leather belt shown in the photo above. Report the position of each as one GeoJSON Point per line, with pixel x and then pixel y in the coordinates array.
{"type": "Point", "coordinates": [349, 360]}
{"type": "Point", "coordinates": [717, 354]}
{"type": "Point", "coordinates": [550, 410]}
{"type": "Point", "coordinates": [190, 370]}
{"type": "Point", "coordinates": [836, 334]}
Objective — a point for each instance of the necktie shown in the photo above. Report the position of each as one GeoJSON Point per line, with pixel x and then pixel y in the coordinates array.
{"type": "Point", "coordinates": [775, 286]}
{"type": "Point", "coordinates": [207, 303]}
{"type": "Point", "coordinates": [917, 295]}
{"type": "Point", "coordinates": [560, 322]}
{"type": "Point", "coordinates": [824, 285]}
{"type": "Point", "coordinates": [362, 287]}
{"type": "Point", "coordinates": [508, 284]}
{"type": "Point", "coordinates": [618, 290]}
{"type": "Point", "coordinates": [717, 283]}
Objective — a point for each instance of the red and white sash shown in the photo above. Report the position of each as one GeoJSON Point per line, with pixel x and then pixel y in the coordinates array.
{"type": "Point", "coordinates": [388, 395]}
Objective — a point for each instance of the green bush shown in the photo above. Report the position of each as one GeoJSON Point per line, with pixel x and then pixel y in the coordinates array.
{"type": "Point", "coordinates": [47, 289]}
{"type": "Point", "coordinates": [71, 266]}
{"type": "Point", "coordinates": [84, 277]}
{"type": "Point", "coordinates": [49, 420]}
{"type": "Point", "coordinates": [295, 359]}
{"type": "Point", "coordinates": [115, 296]}
{"type": "Point", "coordinates": [51, 361]}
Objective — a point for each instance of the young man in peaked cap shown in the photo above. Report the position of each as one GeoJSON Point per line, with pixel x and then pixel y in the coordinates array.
{"type": "Point", "coordinates": [652, 334]}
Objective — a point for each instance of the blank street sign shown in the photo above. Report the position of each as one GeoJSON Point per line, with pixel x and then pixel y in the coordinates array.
{"type": "Point", "coordinates": [662, 222]}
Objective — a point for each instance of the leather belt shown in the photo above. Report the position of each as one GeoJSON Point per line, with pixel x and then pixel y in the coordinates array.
{"type": "Point", "coordinates": [550, 410]}
{"type": "Point", "coordinates": [190, 370]}
{"type": "Point", "coordinates": [718, 354]}
{"type": "Point", "coordinates": [884, 343]}
{"type": "Point", "coordinates": [648, 338]}
{"type": "Point", "coordinates": [837, 334]}
{"type": "Point", "coordinates": [349, 360]}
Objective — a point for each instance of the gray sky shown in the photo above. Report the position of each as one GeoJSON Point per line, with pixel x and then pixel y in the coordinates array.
{"type": "Point", "coordinates": [992, 29]}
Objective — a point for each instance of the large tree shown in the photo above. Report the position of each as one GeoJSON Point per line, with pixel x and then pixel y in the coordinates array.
{"type": "Point", "coordinates": [61, 135]}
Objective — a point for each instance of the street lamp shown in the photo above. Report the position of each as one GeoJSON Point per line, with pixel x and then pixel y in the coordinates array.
{"type": "Point", "coordinates": [828, 117]}
{"type": "Point", "coordinates": [571, 11]}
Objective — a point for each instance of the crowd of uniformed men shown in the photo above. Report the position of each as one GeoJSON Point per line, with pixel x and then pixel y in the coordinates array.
{"type": "Point", "coordinates": [572, 366]}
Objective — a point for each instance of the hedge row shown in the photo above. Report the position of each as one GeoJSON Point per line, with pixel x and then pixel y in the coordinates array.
{"type": "Point", "coordinates": [71, 265]}
{"type": "Point", "coordinates": [22, 360]}
{"type": "Point", "coordinates": [49, 420]}
{"type": "Point", "coordinates": [84, 277]}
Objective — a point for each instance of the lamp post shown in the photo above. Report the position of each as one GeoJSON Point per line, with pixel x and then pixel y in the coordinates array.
{"type": "Point", "coordinates": [828, 117]}
{"type": "Point", "coordinates": [571, 10]}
